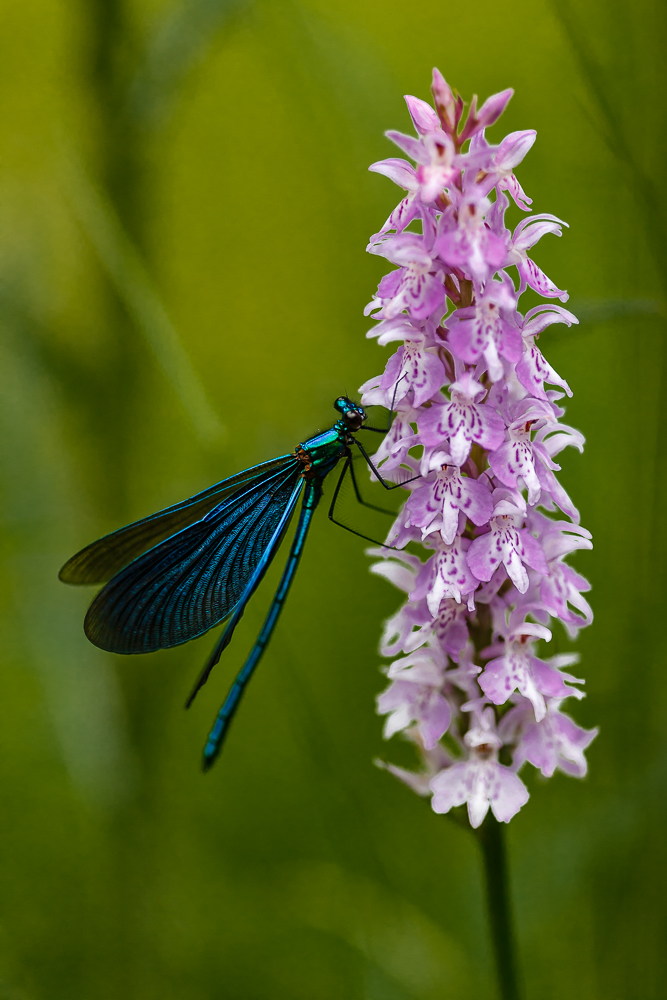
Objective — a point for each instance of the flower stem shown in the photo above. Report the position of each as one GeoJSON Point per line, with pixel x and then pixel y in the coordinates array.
{"type": "Point", "coordinates": [492, 841]}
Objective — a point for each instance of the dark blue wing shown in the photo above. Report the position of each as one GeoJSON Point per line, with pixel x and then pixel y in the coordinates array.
{"type": "Point", "coordinates": [101, 560]}
{"type": "Point", "coordinates": [191, 581]}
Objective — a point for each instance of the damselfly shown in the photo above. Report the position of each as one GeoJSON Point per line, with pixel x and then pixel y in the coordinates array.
{"type": "Point", "coordinates": [176, 574]}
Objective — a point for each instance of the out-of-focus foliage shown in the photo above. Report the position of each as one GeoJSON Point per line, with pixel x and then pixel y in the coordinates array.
{"type": "Point", "coordinates": [184, 205]}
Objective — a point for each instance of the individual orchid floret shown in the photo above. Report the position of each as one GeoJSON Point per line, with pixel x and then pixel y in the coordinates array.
{"type": "Point", "coordinates": [463, 421]}
{"type": "Point", "coordinates": [526, 235]}
{"type": "Point", "coordinates": [533, 370]}
{"type": "Point", "coordinates": [480, 781]}
{"type": "Point", "coordinates": [519, 669]}
{"type": "Point", "coordinates": [562, 589]}
{"type": "Point", "coordinates": [555, 742]}
{"type": "Point", "coordinates": [476, 437]}
{"type": "Point", "coordinates": [415, 696]}
{"type": "Point", "coordinates": [446, 574]}
{"type": "Point", "coordinates": [435, 156]}
{"type": "Point", "coordinates": [482, 331]}
{"type": "Point", "coordinates": [515, 460]}
{"type": "Point", "coordinates": [413, 626]}
{"type": "Point", "coordinates": [472, 246]}
{"type": "Point", "coordinates": [414, 373]}
{"type": "Point", "coordinates": [404, 174]}
{"type": "Point", "coordinates": [438, 173]}
{"type": "Point", "coordinates": [445, 495]}
{"type": "Point", "coordinates": [507, 544]}
{"type": "Point", "coordinates": [561, 592]}
{"type": "Point", "coordinates": [521, 457]}
{"type": "Point", "coordinates": [498, 164]}
{"type": "Point", "coordinates": [417, 287]}
{"type": "Point", "coordinates": [434, 152]}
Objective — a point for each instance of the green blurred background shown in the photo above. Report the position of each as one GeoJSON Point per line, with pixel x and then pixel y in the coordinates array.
{"type": "Point", "coordinates": [184, 206]}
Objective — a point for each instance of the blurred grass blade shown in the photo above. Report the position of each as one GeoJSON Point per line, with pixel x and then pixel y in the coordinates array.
{"type": "Point", "coordinates": [593, 75]}
{"type": "Point", "coordinates": [177, 44]}
{"type": "Point", "coordinates": [616, 133]}
{"type": "Point", "coordinates": [128, 274]}
{"type": "Point", "coordinates": [42, 502]}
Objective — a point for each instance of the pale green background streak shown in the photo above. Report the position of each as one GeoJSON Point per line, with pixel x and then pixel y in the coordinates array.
{"type": "Point", "coordinates": [295, 870]}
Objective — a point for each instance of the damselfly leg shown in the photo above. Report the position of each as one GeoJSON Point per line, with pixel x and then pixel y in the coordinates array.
{"type": "Point", "coordinates": [348, 467]}
{"type": "Point", "coordinates": [357, 492]}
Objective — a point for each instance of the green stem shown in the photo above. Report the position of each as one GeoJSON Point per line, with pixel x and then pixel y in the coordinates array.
{"type": "Point", "coordinates": [492, 841]}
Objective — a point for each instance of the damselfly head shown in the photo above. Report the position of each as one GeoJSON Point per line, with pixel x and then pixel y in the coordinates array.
{"type": "Point", "coordinates": [353, 414]}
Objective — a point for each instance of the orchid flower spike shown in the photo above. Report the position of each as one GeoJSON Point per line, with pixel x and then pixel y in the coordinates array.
{"type": "Point", "coordinates": [473, 393]}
